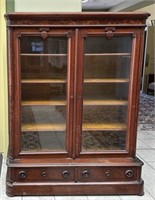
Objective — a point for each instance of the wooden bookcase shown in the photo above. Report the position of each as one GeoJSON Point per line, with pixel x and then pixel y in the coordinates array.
{"type": "Point", "coordinates": [74, 81]}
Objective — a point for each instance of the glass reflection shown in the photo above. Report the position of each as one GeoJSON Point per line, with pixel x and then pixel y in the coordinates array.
{"type": "Point", "coordinates": [107, 66]}
{"type": "Point", "coordinates": [103, 91]}
{"type": "Point", "coordinates": [103, 140]}
{"type": "Point", "coordinates": [43, 93]}
{"type": "Point", "coordinates": [50, 45]}
{"type": "Point", "coordinates": [43, 67]}
{"type": "Point", "coordinates": [104, 114]}
{"type": "Point", "coordinates": [106, 85]}
{"type": "Point", "coordinates": [43, 141]}
{"type": "Point", "coordinates": [44, 126]}
{"type": "Point", "coordinates": [102, 44]}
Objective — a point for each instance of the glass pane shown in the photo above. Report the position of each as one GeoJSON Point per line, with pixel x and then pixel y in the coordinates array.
{"type": "Point", "coordinates": [43, 140]}
{"type": "Point", "coordinates": [43, 127]}
{"type": "Point", "coordinates": [101, 44]}
{"type": "Point", "coordinates": [43, 67]}
{"type": "Point", "coordinates": [103, 91]}
{"type": "Point", "coordinates": [43, 93]}
{"type": "Point", "coordinates": [106, 85]}
{"type": "Point", "coordinates": [103, 140]}
{"type": "Point", "coordinates": [46, 58]}
{"type": "Point", "coordinates": [107, 66]}
{"type": "Point", "coordinates": [51, 45]}
{"type": "Point", "coordinates": [107, 114]}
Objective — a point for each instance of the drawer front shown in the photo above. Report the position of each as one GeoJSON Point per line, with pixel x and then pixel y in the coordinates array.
{"type": "Point", "coordinates": [53, 174]}
{"type": "Point", "coordinates": [101, 174]}
{"type": "Point", "coordinates": [77, 174]}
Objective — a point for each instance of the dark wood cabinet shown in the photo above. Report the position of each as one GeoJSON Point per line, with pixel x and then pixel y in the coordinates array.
{"type": "Point", "coordinates": [74, 81]}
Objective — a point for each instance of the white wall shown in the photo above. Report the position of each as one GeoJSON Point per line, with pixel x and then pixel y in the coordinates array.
{"type": "Point", "coordinates": [150, 48]}
{"type": "Point", "coordinates": [151, 10]}
{"type": "Point", "coordinates": [3, 82]}
{"type": "Point", "coordinates": [48, 5]}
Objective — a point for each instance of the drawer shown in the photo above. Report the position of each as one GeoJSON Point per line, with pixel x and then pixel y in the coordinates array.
{"type": "Point", "coordinates": [101, 174]}
{"type": "Point", "coordinates": [53, 174]}
{"type": "Point", "coordinates": [77, 174]}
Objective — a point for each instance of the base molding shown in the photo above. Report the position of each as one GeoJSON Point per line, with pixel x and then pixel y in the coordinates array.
{"type": "Point", "coordinates": [1, 159]}
{"type": "Point", "coordinates": [106, 188]}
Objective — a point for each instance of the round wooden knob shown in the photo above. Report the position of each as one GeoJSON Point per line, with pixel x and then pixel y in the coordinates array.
{"type": "Point", "coordinates": [22, 174]}
{"type": "Point", "coordinates": [85, 174]}
{"type": "Point", "coordinates": [129, 173]}
{"type": "Point", "coordinates": [65, 174]}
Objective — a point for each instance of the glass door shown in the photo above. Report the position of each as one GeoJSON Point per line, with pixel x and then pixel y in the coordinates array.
{"type": "Point", "coordinates": [106, 77]}
{"type": "Point", "coordinates": [44, 92]}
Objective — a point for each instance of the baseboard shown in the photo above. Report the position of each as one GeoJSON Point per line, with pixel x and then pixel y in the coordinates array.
{"type": "Point", "coordinates": [1, 158]}
{"type": "Point", "coordinates": [47, 188]}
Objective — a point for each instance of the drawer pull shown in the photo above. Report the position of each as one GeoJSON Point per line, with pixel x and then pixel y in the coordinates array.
{"type": "Point", "coordinates": [44, 174]}
{"type": "Point", "coordinates": [22, 174]}
{"type": "Point", "coordinates": [107, 173]}
{"type": "Point", "coordinates": [129, 173]}
{"type": "Point", "coordinates": [85, 174]}
{"type": "Point", "coordinates": [65, 174]}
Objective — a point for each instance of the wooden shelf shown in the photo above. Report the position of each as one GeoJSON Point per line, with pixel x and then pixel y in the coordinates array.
{"type": "Point", "coordinates": [86, 127]}
{"type": "Point", "coordinates": [105, 102]}
{"type": "Point", "coordinates": [89, 80]}
{"type": "Point", "coordinates": [106, 80]}
{"type": "Point", "coordinates": [107, 54]}
{"type": "Point", "coordinates": [42, 103]}
{"type": "Point", "coordinates": [43, 81]}
{"type": "Point", "coordinates": [91, 102]}
{"type": "Point", "coordinates": [42, 54]}
{"type": "Point", "coordinates": [43, 127]}
{"type": "Point", "coordinates": [104, 127]}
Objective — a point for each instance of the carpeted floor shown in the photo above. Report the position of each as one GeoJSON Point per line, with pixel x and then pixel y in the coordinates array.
{"type": "Point", "coordinates": [30, 140]}
{"type": "Point", "coordinates": [146, 118]}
